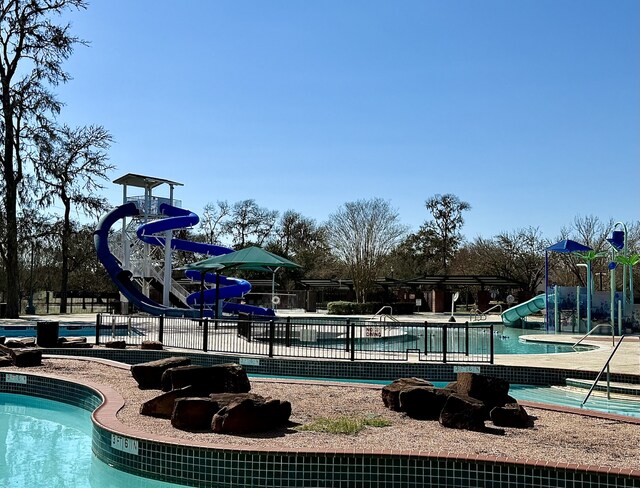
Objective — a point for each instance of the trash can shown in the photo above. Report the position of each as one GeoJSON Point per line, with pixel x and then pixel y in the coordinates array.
{"type": "Point", "coordinates": [47, 333]}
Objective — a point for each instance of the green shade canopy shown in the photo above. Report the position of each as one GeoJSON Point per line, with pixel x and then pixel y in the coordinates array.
{"type": "Point", "coordinates": [252, 258]}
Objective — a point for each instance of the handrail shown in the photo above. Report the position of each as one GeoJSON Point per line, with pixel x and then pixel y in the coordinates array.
{"type": "Point", "coordinates": [390, 315]}
{"type": "Point", "coordinates": [483, 315]}
{"type": "Point", "coordinates": [606, 366]}
{"type": "Point", "coordinates": [613, 339]}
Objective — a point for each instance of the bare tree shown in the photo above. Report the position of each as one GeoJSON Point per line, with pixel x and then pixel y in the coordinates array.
{"type": "Point", "coordinates": [212, 221]}
{"type": "Point", "coordinates": [73, 164]}
{"type": "Point", "coordinates": [32, 50]}
{"type": "Point", "coordinates": [249, 224]}
{"type": "Point", "coordinates": [362, 234]}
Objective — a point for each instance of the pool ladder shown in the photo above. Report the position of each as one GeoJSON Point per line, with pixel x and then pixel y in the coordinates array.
{"type": "Point", "coordinates": [606, 364]}
{"type": "Point", "coordinates": [476, 314]}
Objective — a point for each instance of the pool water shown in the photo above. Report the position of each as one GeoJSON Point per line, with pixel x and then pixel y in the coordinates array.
{"type": "Point", "coordinates": [48, 443]}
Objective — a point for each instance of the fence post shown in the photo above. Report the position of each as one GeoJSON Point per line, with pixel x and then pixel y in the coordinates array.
{"type": "Point", "coordinates": [98, 324]}
{"type": "Point", "coordinates": [205, 335]}
{"type": "Point", "coordinates": [427, 339]}
{"type": "Point", "coordinates": [353, 342]}
{"type": "Point", "coordinates": [491, 343]}
{"type": "Point", "coordinates": [161, 328]}
{"type": "Point", "coordinates": [272, 336]}
{"type": "Point", "coordinates": [466, 338]}
{"type": "Point", "coordinates": [444, 343]}
{"type": "Point", "coordinates": [287, 333]}
{"type": "Point", "coordinates": [347, 340]}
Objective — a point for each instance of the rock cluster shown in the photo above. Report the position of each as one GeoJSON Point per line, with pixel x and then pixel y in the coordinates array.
{"type": "Point", "coordinates": [463, 404]}
{"type": "Point", "coordinates": [20, 352]}
{"type": "Point", "coordinates": [207, 398]}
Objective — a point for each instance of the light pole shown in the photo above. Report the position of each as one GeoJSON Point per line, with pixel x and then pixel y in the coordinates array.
{"type": "Point", "coordinates": [600, 278]}
{"type": "Point", "coordinates": [618, 242]}
{"type": "Point", "coordinates": [589, 286]}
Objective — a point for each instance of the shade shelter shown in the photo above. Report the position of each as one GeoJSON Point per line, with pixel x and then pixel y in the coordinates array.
{"type": "Point", "coordinates": [565, 246]}
{"type": "Point", "coordinates": [251, 258]}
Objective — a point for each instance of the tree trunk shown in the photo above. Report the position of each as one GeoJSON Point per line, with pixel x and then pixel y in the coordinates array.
{"type": "Point", "coordinates": [66, 232]}
{"type": "Point", "coordinates": [10, 205]}
{"type": "Point", "coordinates": [13, 270]}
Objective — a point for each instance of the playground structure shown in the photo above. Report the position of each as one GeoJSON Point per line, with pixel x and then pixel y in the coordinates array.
{"type": "Point", "coordinates": [565, 304]}
{"type": "Point", "coordinates": [139, 257]}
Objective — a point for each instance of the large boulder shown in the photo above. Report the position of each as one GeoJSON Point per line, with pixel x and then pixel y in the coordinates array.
{"type": "Point", "coordinates": [116, 344]}
{"type": "Point", "coordinates": [26, 358]}
{"type": "Point", "coordinates": [162, 405]}
{"type": "Point", "coordinates": [391, 392]}
{"type": "Point", "coordinates": [151, 345]}
{"type": "Point", "coordinates": [221, 378]}
{"type": "Point", "coordinates": [493, 392]}
{"type": "Point", "coordinates": [149, 375]}
{"type": "Point", "coordinates": [423, 402]}
{"type": "Point", "coordinates": [510, 415]}
{"type": "Point", "coordinates": [20, 343]}
{"type": "Point", "coordinates": [463, 412]}
{"type": "Point", "coordinates": [193, 413]}
{"type": "Point", "coordinates": [74, 342]}
{"type": "Point", "coordinates": [251, 415]}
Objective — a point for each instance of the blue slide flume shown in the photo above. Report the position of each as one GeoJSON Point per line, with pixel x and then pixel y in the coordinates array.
{"type": "Point", "coordinates": [153, 234]}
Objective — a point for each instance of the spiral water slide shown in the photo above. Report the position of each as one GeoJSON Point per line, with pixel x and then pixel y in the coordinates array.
{"type": "Point", "coordinates": [153, 234]}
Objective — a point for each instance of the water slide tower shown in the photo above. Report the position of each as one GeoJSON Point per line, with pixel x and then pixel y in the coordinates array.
{"type": "Point", "coordinates": [146, 263]}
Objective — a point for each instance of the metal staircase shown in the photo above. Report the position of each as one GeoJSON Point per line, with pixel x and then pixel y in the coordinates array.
{"type": "Point", "coordinates": [155, 268]}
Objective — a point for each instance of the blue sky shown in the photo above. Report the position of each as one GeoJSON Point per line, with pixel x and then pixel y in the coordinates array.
{"type": "Point", "coordinates": [528, 110]}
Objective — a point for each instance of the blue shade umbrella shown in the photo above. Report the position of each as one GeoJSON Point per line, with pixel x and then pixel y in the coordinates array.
{"type": "Point", "coordinates": [565, 246]}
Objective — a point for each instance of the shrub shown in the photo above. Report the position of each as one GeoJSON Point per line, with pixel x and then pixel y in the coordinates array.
{"type": "Point", "coordinates": [344, 424]}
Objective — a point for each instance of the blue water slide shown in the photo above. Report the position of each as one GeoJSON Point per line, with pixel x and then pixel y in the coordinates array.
{"type": "Point", "coordinates": [121, 277]}
{"type": "Point", "coordinates": [179, 218]}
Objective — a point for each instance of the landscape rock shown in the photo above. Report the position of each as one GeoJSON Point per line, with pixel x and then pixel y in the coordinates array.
{"type": "Point", "coordinates": [221, 378]}
{"type": "Point", "coordinates": [193, 413]}
{"type": "Point", "coordinates": [463, 412]}
{"type": "Point", "coordinates": [493, 392]}
{"type": "Point", "coordinates": [149, 375]}
{"type": "Point", "coordinates": [391, 392]}
{"type": "Point", "coordinates": [115, 344]}
{"type": "Point", "coordinates": [423, 402]}
{"type": "Point", "coordinates": [74, 342]}
{"type": "Point", "coordinates": [20, 343]}
{"type": "Point", "coordinates": [5, 360]}
{"type": "Point", "coordinates": [151, 345]}
{"type": "Point", "coordinates": [510, 415]}
{"type": "Point", "coordinates": [25, 358]}
{"type": "Point", "coordinates": [251, 415]}
{"type": "Point", "coordinates": [162, 405]}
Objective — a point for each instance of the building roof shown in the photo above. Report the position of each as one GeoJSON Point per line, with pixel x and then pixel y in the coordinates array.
{"type": "Point", "coordinates": [142, 181]}
{"type": "Point", "coordinates": [483, 281]}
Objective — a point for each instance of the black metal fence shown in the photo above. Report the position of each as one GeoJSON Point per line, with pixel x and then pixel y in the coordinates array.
{"type": "Point", "coordinates": [324, 338]}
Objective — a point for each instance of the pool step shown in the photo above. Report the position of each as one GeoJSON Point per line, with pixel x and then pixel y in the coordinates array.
{"type": "Point", "coordinates": [620, 388]}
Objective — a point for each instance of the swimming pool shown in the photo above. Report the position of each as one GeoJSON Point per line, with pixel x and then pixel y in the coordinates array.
{"type": "Point", "coordinates": [64, 330]}
{"type": "Point", "coordinates": [48, 443]}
